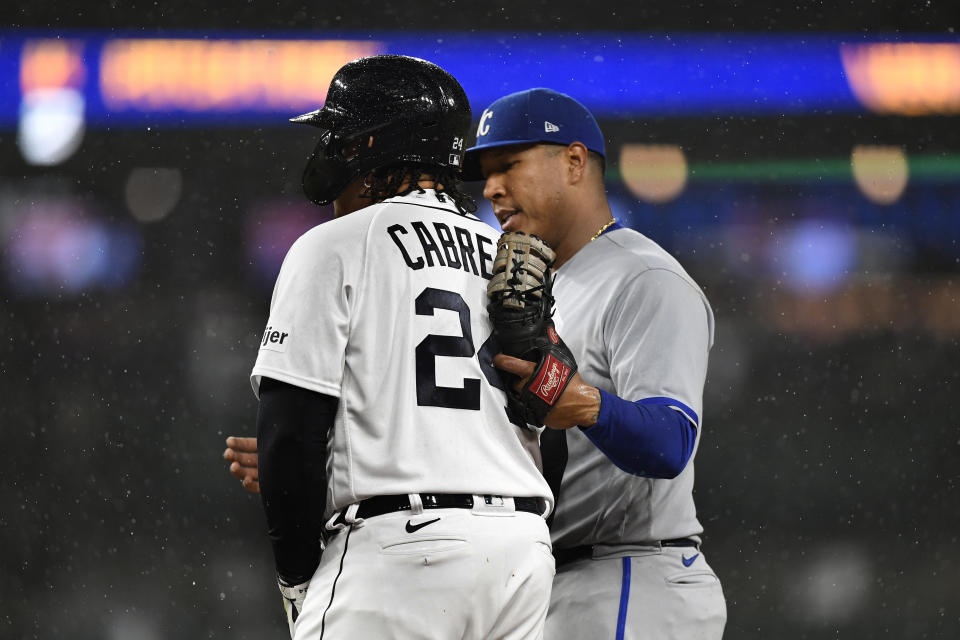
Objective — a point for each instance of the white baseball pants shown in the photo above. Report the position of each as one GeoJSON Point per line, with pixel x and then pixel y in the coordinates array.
{"type": "Point", "coordinates": [470, 574]}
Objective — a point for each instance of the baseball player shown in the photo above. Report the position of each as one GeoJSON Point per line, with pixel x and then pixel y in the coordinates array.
{"type": "Point", "coordinates": [625, 532]}
{"type": "Point", "coordinates": [382, 425]}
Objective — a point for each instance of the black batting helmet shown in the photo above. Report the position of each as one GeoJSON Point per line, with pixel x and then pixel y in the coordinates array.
{"type": "Point", "coordinates": [380, 111]}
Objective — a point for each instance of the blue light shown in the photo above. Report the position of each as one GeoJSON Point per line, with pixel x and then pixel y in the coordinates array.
{"type": "Point", "coordinates": [617, 75]}
{"type": "Point", "coordinates": [55, 247]}
{"type": "Point", "coordinates": [817, 255]}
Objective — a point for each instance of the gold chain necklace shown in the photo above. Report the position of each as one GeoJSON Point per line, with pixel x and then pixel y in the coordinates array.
{"type": "Point", "coordinates": [602, 229]}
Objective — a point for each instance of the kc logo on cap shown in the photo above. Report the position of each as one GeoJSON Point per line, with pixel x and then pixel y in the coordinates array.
{"type": "Point", "coordinates": [483, 128]}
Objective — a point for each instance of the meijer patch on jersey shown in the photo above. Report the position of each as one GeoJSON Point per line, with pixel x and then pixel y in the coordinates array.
{"type": "Point", "coordinates": [275, 339]}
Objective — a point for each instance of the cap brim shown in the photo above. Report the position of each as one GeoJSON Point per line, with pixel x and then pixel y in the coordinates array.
{"type": "Point", "coordinates": [471, 157]}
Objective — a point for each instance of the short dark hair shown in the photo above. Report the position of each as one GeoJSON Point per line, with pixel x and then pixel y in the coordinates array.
{"type": "Point", "coordinates": [592, 156]}
{"type": "Point", "coordinates": [386, 182]}
{"type": "Point", "coordinates": [598, 159]}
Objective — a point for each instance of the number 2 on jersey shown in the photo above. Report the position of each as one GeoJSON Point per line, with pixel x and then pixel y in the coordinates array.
{"type": "Point", "coordinates": [428, 393]}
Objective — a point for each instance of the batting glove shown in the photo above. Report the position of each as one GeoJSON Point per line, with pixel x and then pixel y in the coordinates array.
{"type": "Point", "coordinates": [293, 597]}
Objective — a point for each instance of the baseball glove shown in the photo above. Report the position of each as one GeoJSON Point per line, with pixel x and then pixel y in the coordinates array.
{"type": "Point", "coordinates": [520, 305]}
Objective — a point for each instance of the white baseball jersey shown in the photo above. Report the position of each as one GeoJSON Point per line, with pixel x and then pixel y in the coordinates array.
{"type": "Point", "coordinates": [639, 327]}
{"type": "Point", "coordinates": [385, 309]}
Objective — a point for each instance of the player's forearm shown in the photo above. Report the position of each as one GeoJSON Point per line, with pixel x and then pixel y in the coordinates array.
{"type": "Point", "coordinates": [292, 427]}
{"type": "Point", "coordinates": [649, 440]}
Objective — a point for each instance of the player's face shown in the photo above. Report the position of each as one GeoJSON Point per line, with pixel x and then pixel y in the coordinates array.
{"type": "Point", "coordinates": [524, 185]}
{"type": "Point", "coordinates": [351, 199]}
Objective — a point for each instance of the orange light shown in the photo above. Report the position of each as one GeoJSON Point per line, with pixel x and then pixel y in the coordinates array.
{"type": "Point", "coordinates": [906, 78]}
{"type": "Point", "coordinates": [206, 75]}
{"type": "Point", "coordinates": [653, 172]}
{"type": "Point", "coordinates": [880, 172]}
{"type": "Point", "coordinates": [51, 64]}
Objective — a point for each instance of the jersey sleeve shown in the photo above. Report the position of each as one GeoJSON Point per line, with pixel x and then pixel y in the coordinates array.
{"type": "Point", "coordinates": [305, 339]}
{"type": "Point", "coordinates": [658, 337]}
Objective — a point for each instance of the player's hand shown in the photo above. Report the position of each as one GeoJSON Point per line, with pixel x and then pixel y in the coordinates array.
{"type": "Point", "coordinates": [578, 405]}
{"type": "Point", "coordinates": [242, 455]}
{"type": "Point", "coordinates": [293, 598]}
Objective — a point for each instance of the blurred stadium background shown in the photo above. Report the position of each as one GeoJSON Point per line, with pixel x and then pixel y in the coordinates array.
{"type": "Point", "coordinates": [803, 163]}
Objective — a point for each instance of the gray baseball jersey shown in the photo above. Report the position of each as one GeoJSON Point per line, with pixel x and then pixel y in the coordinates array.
{"type": "Point", "coordinates": [640, 327]}
{"type": "Point", "coordinates": [385, 309]}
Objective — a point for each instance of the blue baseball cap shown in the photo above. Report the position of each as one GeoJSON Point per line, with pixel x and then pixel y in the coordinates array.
{"type": "Point", "coordinates": [532, 116]}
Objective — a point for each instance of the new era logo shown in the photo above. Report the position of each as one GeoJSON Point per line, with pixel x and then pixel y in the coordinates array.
{"type": "Point", "coordinates": [549, 127]}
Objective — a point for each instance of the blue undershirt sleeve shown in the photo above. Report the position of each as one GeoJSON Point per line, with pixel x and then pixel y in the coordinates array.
{"type": "Point", "coordinates": [648, 438]}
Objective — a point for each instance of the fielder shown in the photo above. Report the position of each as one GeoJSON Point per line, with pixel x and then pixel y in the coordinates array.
{"type": "Point", "coordinates": [380, 431]}
{"type": "Point", "coordinates": [625, 532]}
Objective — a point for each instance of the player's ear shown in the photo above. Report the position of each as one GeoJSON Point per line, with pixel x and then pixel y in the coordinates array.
{"type": "Point", "coordinates": [576, 156]}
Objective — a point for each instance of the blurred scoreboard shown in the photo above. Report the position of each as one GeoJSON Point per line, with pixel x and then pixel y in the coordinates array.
{"type": "Point", "coordinates": [215, 78]}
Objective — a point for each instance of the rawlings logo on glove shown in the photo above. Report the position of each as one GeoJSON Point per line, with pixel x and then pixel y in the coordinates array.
{"type": "Point", "coordinates": [520, 305]}
{"type": "Point", "coordinates": [556, 375]}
